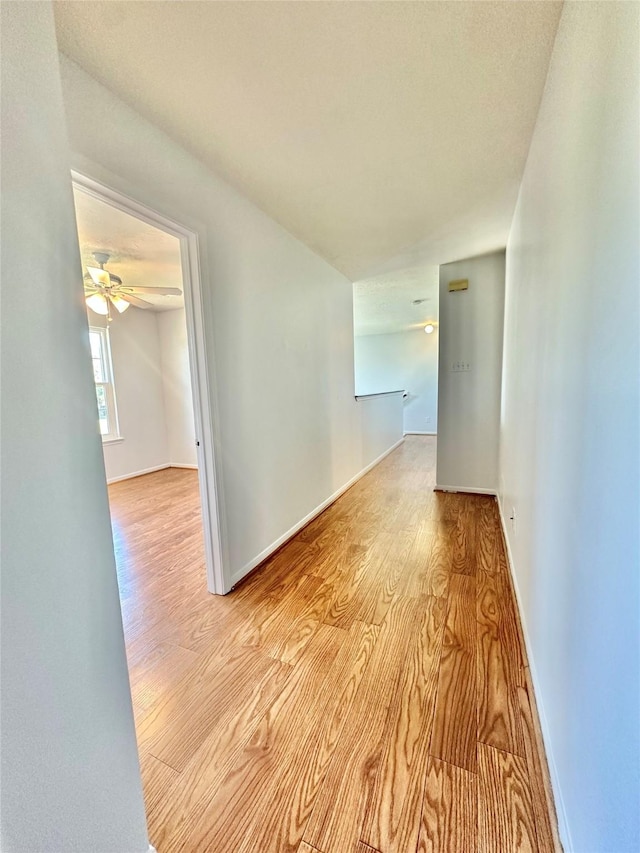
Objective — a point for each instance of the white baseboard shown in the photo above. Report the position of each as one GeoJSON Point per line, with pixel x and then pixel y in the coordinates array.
{"type": "Point", "coordinates": [563, 824]}
{"type": "Point", "coordinates": [418, 432]}
{"type": "Point", "coordinates": [152, 849]}
{"type": "Point", "coordinates": [149, 471]}
{"type": "Point", "coordinates": [137, 473]}
{"type": "Point", "coordinates": [237, 576]}
{"type": "Point", "coordinates": [469, 490]}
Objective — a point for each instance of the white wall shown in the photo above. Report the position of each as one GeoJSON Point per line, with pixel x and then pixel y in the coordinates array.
{"type": "Point", "coordinates": [279, 325]}
{"type": "Point", "coordinates": [471, 331]}
{"type": "Point", "coordinates": [380, 425]}
{"type": "Point", "coordinates": [176, 380]}
{"type": "Point", "coordinates": [139, 383]}
{"type": "Point", "coordinates": [150, 356]}
{"type": "Point", "coordinates": [70, 776]}
{"type": "Point", "coordinates": [402, 361]}
{"type": "Point", "coordinates": [570, 424]}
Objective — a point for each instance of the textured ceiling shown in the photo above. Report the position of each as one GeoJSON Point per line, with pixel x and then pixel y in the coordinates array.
{"type": "Point", "coordinates": [375, 132]}
{"type": "Point", "coordinates": [140, 254]}
{"type": "Point", "coordinates": [384, 305]}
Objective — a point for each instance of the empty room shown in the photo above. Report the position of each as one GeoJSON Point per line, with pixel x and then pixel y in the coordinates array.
{"type": "Point", "coordinates": [132, 274]}
{"type": "Point", "coordinates": [320, 417]}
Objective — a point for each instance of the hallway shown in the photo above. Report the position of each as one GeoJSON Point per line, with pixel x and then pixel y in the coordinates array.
{"type": "Point", "coordinates": [365, 690]}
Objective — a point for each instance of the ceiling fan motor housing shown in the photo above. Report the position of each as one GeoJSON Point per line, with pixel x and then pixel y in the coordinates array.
{"type": "Point", "coordinates": [114, 279]}
{"type": "Point", "coordinates": [101, 257]}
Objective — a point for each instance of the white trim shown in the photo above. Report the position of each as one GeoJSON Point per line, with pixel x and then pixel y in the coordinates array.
{"type": "Point", "coordinates": [468, 490]}
{"type": "Point", "coordinates": [202, 382]}
{"type": "Point", "coordinates": [162, 467]}
{"type": "Point", "coordinates": [418, 432]}
{"type": "Point", "coordinates": [563, 824]}
{"type": "Point", "coordinates": [138, 473]}
{"type": "Point", "coordinates": [152, 849]}
{"type": "Point", "coordinates": [237, 576]}
{"type": "Point", "coordinates": [115, 440]}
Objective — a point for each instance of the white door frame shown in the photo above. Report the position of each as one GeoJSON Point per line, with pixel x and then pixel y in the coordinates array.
{"type": "Point", "coordinates": [200, 389]}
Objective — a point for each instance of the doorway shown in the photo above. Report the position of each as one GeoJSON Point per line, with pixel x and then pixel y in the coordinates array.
{"type": "Point", "coordinates": [144, 309]}
{"type": "Point", "coordinates": [396, 341]}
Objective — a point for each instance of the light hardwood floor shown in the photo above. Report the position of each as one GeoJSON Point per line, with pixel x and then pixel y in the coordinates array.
{"type": "Point", "coordinates": [365, 690]}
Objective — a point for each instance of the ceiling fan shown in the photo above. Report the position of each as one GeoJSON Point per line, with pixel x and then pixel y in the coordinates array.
{"type": "Point", "coordinates": [102, 289]}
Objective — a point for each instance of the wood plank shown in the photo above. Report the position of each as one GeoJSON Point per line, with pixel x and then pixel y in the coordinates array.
{"type": "Point", "coordinates": [445, 507]}
{"type": "Point", "coordinates": [183, 820]}
{"type": "Point", "coordinates": [336, 819]}
{"type": "Point", "coordinates": [506, 819]}
{"type": "Point", "coordinates": [510, 628]}
{"type": "Point", "coordinates": [356, 594]}
{"type": "Point", "coordinates": [215, 688]}
{"type": "Point", "coordinates": [498, 717]}
{"type": "Point", "coordinates": [158, 672]}
{"type": "Point", "coordinates": [268, 622]}
{"type": "Point", "coordinates": [486, 541]}
{"type": "Point", "coordinates": [455, 718]}
{"type": "Point", "coordinates": [312, 610]}
{"type": "Point", "coordinates": [435, 581]}
{"type": "Point", "coordinates": [183, 801]}
{"type": "Point", "coordinates": [280, 736]}
{"type": "Point", "coordinates": [449, 819]}
{"type": "Point", "coordinates": [413, 581]}
{"type": "Point", "coordinates": [365, 524]}
{"type": "Point", "coordinates": [299, 775]}
{"type": "Point", "coordinates": [392, 817]}
{"type": "Point", "coordinates": [204, 624]}
{"type": "Point", "coordinates": [542, 797]}
{"type": "Point", "coordinates": [463, 558]}
{"type": "Point", "coordinates": [383, 585]}
{"type": "Point", "coordinates": [276, 573]}
{"type": "Point", "coordinates": [157, 778]}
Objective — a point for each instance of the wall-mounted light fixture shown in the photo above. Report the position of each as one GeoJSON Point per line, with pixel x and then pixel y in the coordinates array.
{"type": "Point", "coordinates": [429, 328]}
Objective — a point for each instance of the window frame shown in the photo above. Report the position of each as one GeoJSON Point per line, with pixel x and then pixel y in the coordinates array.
{"type": "Point", "coordinates": [108, 384]}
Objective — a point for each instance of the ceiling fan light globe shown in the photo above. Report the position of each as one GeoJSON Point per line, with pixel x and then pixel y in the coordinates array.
{"type": "Point", "coordinates": [98, 304]}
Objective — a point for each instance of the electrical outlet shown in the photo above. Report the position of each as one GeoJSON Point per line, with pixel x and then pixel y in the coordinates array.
{"type": "Point", "coordinates": [427, 421]}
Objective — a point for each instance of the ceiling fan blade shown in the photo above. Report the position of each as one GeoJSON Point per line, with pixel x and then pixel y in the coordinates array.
{"type": "Point", "coordinates": [100, 277]}
{"type": "Point", "coordinates": [133, 300]}
{"type": "Point", "coordinates": [162, 291]}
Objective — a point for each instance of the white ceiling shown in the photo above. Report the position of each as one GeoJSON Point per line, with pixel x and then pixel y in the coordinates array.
{"type": "Point", "coordinates": [384, 305]}
{"type": "Point", "coordinates": [140, 254]}
{"type": "Point", "coordinates": [378, 133]}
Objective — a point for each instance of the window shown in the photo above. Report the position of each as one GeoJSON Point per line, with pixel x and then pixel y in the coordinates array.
{"type": "Point", "coordinates": [103, 375]}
